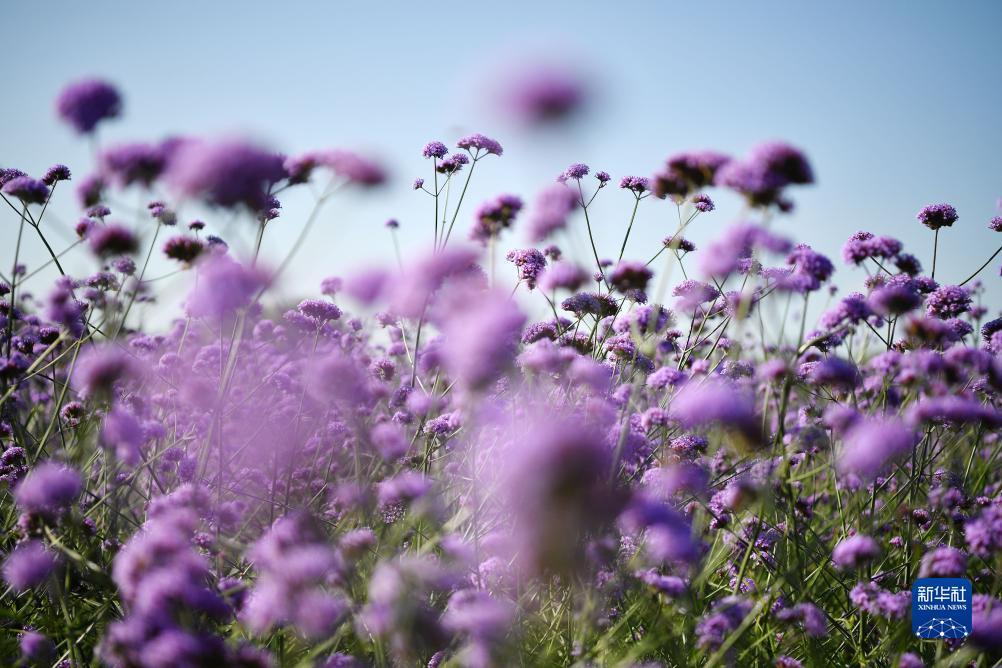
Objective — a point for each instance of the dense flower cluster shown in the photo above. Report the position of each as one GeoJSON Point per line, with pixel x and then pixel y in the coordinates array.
{"type": "Point", "coordinates": [463, 462]}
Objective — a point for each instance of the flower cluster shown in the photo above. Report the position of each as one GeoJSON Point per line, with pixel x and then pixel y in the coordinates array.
{"type": "Point", "coordinates": [459, 461]}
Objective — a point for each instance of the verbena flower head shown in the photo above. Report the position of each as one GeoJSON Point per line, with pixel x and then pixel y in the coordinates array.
{"type": "Point", "coordinates": [550, 211]}
{"type": "Point", "coordinates": [494, 216]}
{"type": "Point", "coordinates": [112, 239]}
{"type": "Point", "coordinates": [56, 173]}
{"type": "Point", "coordinates": [575, 172]}
{"type": "Point", "coordinates": [226, 173]}
{"type": "Point", "coordinates": [717, 402]}
{"type": "Point", "coordinates": [8, 174]}
{"type": "Point", "coordinates": [944, 562]}
{"type": "Point", "coordinates": [27, 189]}
{"type": "Point", "coordinates": [319, 309]}
{"type": "Point", "coordinates": [935, 216]}
{"type": "Point", "coordinates": [563, 275]}
{"type": "Point", "coordinates": [435, 149]}
{"type": "Point", "coordinates": [29, 565]}
{"type": "Point", "coordinates": [530, 263]}
{"type": "Point", "coordinates": [356, 169]}
{"type": "Point", "coordinates": [48, 489]}
{"type": "Point", "coordinates": [224, 285]}
{"type": "Point", "coordinates": [872, 444]}
{"type": "Point", "coordinates": [766, 172]}
{"type": "Point", "coordinates": [83, 104]}
{"type": "Point", "coordinates": [133, 164]}
{"type": "Point", "coordinates": [948, 301]}
{"type": "Point", "coordinates": [481, 334]}
{"type": "Point", "coordinates": [855, 551]}
{"type": "Point", "coordinates": [630, 275]}
{"type": "Point", "coordinates": [685, 173]}
{"type": "Point", "coordinates": [183, 249]}
{"type": "Point", "coordinates": [477, 142]}
{"type": "Point", "coordinates": [543, 94]}
{"type": "Point", "coordinates": [638, 184]}
{"type": "Point", "coordinates": [36, 648]}
{"type": "Point", "coordinates": [703, 203]}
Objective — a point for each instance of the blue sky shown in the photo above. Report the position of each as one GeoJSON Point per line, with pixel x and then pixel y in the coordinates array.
{"type": "Point", "coordinates": [896, 103]}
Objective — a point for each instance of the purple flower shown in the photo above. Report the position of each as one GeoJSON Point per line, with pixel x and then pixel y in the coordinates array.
{"type": "Point", "coordinates": [590, 303]}
{"type": "Point", "coordinates": [563, 275]}
{"type": "Point", "coordinates": [716, 402]}
{"type": "Point", "coordinates": [811, 265]}
{"type": "Point", "coordinates": [530, 263]}
{"type": "Point", "coordinates": [629, 275]}
{"type": "Point", "coordinates": [435, 149]}
{"type": "Point", "coordinates": [542, 94]}
{"type": "Point", "coordinates": [123, 433]}
{"type": "Point", "coordinates": [995, 224]}
{"type": "Point", "coordinates": [944, 562]}
{"type": "Point", "coordinates": [8, 174]}
{"type": "Point", "coordinates": [129, 164]}
{"type": "Point", "coordinates": [227, 173]}
{"type": "Point", "coordinates": [48, 489]}
{"type": "Point", "coordinates": [100, 368]}
{"type": "Point", "coordinates": [703, 203]}
{"type": "Point", "coordinates": [687, 172]}
{"type": "Point", "coordinates": [356, 169]}
{"type": "Point", "coordinates": [728, 252]}
{"type": "Point", "coordinates": [84, 104]}
{"type": "Point", "coordinates": [27, 189]}
{"type": "Point", "coordinates": [692, 293]}
{"type": "Point", "coordinates": [112, 239]}
{"type": "Point", "coordinates": [477, 142]}
{"type": "Point", "coordinates": [29, 565]}
{"type": "Point", "coordinates": [56, 173]}
{"type": "Point", "coordinates": [833, 372]}
{"type": "Point", "coordinates": [319, 310]}
{"type": "Point", "coordinates": [90, 190]}
{"type": "Point", "coordinates": [557, 474]}
{"type": "Point", "coordinates": [493, 216]}
{"type": "Point", "coordinates": [36, 649]}
{"type": "Point", "coordinates": [935, 216]}
{"type": "Point", "coordinates": [984, 532]}
{"type": "Point", "coordinates": [854, 551]}
{"type": "Point", "coordinates": [482, 331]}
{"type": "Point", "coordinates": [768, 169]}
{"type": "Point", "coordinates": [183, 249]}
{"type": "Point", "coordinates": [224, 285]}
{"type": "Point", "coordinates": [809, 616]}
{"type": "Point", "coordinates": [895, 298]}
{"type": "Point", "coordinates": [871, 444]}
{"type": "Point", "coordinates": [425, 276]}
{"type": "Point", "coordinates": [550, 212]}
{"type": "Point", "coordinates": [987, 632]}
{"type": "Point", "coordinates": [727, 614]}
{"type": "Point", "coordinates": [638, 184]}
{"type": "Point", "coordinates": [575, 172]}
{"type": "Point", "coordinates": [948, 301]}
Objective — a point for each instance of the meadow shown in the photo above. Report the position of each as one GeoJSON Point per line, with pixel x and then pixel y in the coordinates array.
{"type": "Point", "coordinates": [407, 468]}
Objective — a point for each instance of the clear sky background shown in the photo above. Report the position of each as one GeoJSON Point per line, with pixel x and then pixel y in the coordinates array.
{"type": "Point", "coordinates": [896, 103]}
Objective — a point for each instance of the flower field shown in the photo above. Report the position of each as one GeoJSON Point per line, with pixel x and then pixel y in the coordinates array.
{"type": "Point", "coordinates": [638, 457]}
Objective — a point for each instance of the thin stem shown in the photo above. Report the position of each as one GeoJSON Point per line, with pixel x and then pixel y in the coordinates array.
{"type": "Point", "coordinates": [591, 237]}
{"type": "Point", "coordinates": [982, 267]}
{"type": "Point", "coordinates": [459, 204]}
{"type": "Point", "coordinates": [935, 248]}
{"type": "Point", "coordinates": [629, 227]}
